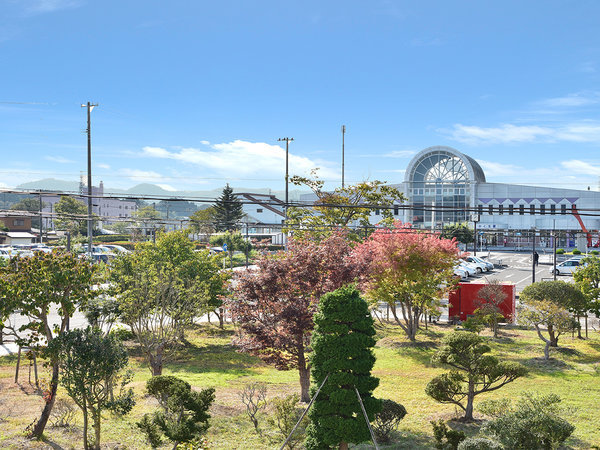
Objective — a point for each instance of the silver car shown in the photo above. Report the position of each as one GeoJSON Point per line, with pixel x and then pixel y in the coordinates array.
{"type": "Point", "coordinates": [566, 267]}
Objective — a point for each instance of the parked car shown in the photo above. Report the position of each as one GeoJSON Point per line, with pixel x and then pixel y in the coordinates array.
{"type": "Point", "coordinates": [566, 267]}
{"type": "Point", "coordinates": [480, 265]}
{"type": "Point", "coordinates": [4, 253]}
{"type": "Point", "coordinates": [469, 267]}
{"type": "Point", "coordinates": [117, 249]}
{"type": "Point", "coordinates": [460, 272]}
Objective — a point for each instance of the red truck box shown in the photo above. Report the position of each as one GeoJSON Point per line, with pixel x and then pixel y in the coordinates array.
{"type": "Point", "coordinates": [462, 302]}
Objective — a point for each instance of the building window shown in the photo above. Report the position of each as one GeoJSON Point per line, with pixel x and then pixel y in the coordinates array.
{"type": "Point", "coordinates": [511, 210]}
{"type": "Point", "coordinates": [552, 209]}
{"type": "Point", "coordinates": [532, 210]}
{"type": "Point", "coordinates": [376, 212]}
{"type": "Point", "coordinates": [563, 209]}
{"type": "Point", "coordinates": [19, 222]}
{"type": "Point", "coordinates": [500, 209]}
{"type": "Point", "coordinates": [542, 209]}
{"type": "Point", "coordinates": [521, 209]}
{"type": "Point", "coordinates": [259, 210]}
{"type": "Point", "coordinates": [395, 210]}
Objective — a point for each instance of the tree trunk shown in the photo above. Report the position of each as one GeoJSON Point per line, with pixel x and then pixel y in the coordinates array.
{"type": "Point", "coordinates": [85, 428]}
{"type": "Point", "coordinates": [552, 335]}
{"type": "Point", "coordinates": [304, 372]}
{"type": "Point", "coordinates": [96, 425]}
{"type": "Point", "coordinates": [343, 445]}
{"type": "Point", "coordinates": [547, 350]}
{"type": "Point", "coordinates": [156, 362]}
{"type": "Point", "coordinates": [470, 398]}
{"type": "Point", "coordinates": [38, 429]}
{"type": "Point", "coordinates": [221, 318]}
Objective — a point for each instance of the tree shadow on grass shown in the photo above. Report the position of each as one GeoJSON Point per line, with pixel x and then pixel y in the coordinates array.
{"type": "Point", "coordinates": [400, 440]}
{"type": "Point", "coordinates": [222, 358]}
{"type": "Point", "coordinates": [540, 366]}
{"type": "Point", "coordinates": [420, 351]}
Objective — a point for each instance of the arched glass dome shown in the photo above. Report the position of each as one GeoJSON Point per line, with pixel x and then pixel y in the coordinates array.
{"type": "Point", "coordinates": [439, 185]}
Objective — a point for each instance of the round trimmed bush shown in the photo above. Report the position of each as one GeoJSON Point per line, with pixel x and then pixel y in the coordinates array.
{"type": "Point", "coordinates": [595, 252]}
{"type": "Point", "coordinates": [560, 251]}
{"type": "Point", "coordinates": [479, 443]}
{"type": "Point", "coordinates": [388, 419]}
{"type": "Point", "coordinates": [576, 251]}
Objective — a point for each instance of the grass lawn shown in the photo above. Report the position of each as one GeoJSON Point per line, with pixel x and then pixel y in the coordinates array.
{"type": "Point", "coordinates": [209, 360]}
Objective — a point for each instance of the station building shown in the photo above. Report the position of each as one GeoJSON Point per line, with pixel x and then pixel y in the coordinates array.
{"type": "Point", "coordinates": [445, 186]}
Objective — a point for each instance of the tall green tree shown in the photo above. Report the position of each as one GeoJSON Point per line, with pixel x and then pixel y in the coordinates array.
{"type": "Point", "coordinates": [29, 204]}
{"type": "Point", "coordinates": [71, 216]}
{"type": "Point", "coordinates": [33, 286]}
{"type": "Point", "coordinates": [587, 279]}
{"type": "Point", "coordinates": [228, 211]}
{"type": "Point", "coordinates": [342, 343]}
{"type": "Point", "coordinates": [459, 231]}
{"type": "Point", "coordinates": [472, 371]}
{"type": "Point", "coordinates": [161, 288]}
{"type": "Point", "coordinates": [202, 223]}
{"type": "Point", "coordinates": [347, 208]}
{"type": "Point", "coordinates": [91, 366]}
{"type": "Point", "coordinates": [146, 218]}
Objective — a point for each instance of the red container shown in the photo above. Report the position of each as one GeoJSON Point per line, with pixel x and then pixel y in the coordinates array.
{"type": "Point", "coordinates": [463, 301]}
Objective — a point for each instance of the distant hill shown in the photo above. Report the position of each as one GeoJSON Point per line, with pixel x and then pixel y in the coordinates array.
{"type": "Point", "coordinates": [144, 189]}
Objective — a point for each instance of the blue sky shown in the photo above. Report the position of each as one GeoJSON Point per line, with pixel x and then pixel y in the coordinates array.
{"type": "Point", "coordinates": [194, 94]}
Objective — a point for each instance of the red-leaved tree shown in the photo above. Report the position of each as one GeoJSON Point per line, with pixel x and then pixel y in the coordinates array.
{"type": "Point", "coordinates": [406, 268]}
{"type": "Point", "coordinates": [274, 305]}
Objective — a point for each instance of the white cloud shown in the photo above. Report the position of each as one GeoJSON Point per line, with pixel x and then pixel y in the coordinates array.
{"type": "Point", "coordinates": [58, 159]}
{"type": "Point", "coordinates": [585, 131]}
{"type": "Point", "coordinates": [47, 6]}
{"type": "Point", "coordinates": [572, 100]}
{"type": "Point", "coordinates": [399, 154]}
{"type": "Point", "coordinates": [491, 168]}
{"type": "Point", "coordinates": [166, 187]}
{"type": "Point", "coordinates": [242, 158]}
{"type": "Point", "coordinates": [141, 175]}
{"type": "Point", "coordinates": [581, 167]}
{"type": "Point", "coordinates": [205, 142]}
{"type": "Point", "coordinates": [103, 166]}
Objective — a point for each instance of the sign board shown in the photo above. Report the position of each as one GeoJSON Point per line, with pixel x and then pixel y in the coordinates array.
{"type": "Point", "coordinates": [474, 217]}
{"type": "Point", "coordinates": [224, 247]}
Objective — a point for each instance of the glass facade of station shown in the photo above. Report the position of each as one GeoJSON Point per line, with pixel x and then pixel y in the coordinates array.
{"type": "Point", "coordinates": [439, 180]}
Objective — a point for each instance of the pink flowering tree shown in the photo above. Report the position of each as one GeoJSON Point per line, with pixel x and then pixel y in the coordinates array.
{"type": "Point", "coordinates": [274, 305]}
{"type": "Point", "coordinates": [408, 269]}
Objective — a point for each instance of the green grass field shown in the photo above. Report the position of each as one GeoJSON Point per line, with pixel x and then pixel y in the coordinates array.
{"type": "Point", "coordinates": [209, 360]}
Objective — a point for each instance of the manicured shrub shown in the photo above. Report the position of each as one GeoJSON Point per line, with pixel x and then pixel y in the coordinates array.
{"type": "Point", "coordinates": [473, 324]}
{"type": "Point", "coordinates": [388, 419]}
{"type": "Point", "coordinates": [595, 252]}
{"type": "Point", "coordinates": [479, 443]}
{"type": "Point", "coordinates": [576, 251]}
{"type": "Point", "coordinates": [560, 251]}
{"type": "Point", "coordinates": [286, 414]}
{"type": "Point", "coordinates": [533, 423]}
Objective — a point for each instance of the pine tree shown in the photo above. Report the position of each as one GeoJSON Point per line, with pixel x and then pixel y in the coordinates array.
{"type": "Point", "coordinates": [342, 343]}
{"type": "Point", "coordinates": [228, 210]}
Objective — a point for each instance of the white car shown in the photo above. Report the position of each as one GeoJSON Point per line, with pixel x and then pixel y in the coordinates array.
{"type": "Point", "coordinates": [566, 267]}
{"type": "Point", "coordinates": [480, 265]}
{"type": "Point", "coordinates": [469, 267]}
{"type": "Point", "coordinates": [460, 272]}
{"type": "Point", "coordinates": [117, 249]}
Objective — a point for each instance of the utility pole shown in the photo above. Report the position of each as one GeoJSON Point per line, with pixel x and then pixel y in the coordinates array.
{"type": "Point", "coordinates": [343, 136]}
{"type": "Point", "coordinates": [89, 106]}
{"type": "Point", "coordinates": [41, 225]}
{"type": "Point", "coordinates": [554, 248]}
{"type": "Point", "coordinates": [533, 259]}
{"type": "Point", "coordinates": [287, 177]}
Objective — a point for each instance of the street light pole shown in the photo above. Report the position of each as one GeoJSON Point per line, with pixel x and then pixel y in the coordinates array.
{"type": "Point", "coordinates": [554, 248]}
{"type": "Point", "coordinates": [287, 176]}
{"type": "Point", "coordinates": [533, 259]}
{"type": "Point", "coordinates": [89, 107]}
{"type": "Point", "coordinates": [343, 142]}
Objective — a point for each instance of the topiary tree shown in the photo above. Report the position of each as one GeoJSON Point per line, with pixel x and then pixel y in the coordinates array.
{"type": "Point", "coordinates": [91, 365]}
{"type": "Point", "coordinates": [473, 372]}
{"type": "Point", "coordinates": [388, 419]}
{"type": "Point", "coordinates": [342, 344]}
{"type": "Point", "coordinates": [184, 413]}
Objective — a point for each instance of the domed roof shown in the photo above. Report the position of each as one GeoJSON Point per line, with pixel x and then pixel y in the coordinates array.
{"type": "Point", "coordinates": [441, 163]}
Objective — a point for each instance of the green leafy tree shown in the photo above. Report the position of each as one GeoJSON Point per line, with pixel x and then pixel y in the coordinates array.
{"type": "Point", "coordinates": [146, 219]}
{"type": "Point", "coordinates": [91, 365]}
{"type": "Point", "coordinates": [587, 279]}
{"type": "Point", "coordinates": [228, 211]}
{"type": "Point", "coordinates": [545, 316]}
{"type": "Point", "coordinates": [342, 351]}
{"type": "Point", "coordinates": [30, 205]}
{"type": "Point", "coordinates": [31, 287]}
{"type": "Point", "coordinates": [235, 242]}
{"type": "Point", "coordinates": [344, 207]}
{"type": "Point", "coordinates": [565, 296]}
{"type": "Point", "coordinates": [459, 231]}
{"type": "Point", "coordinates": [71, 216]}
{"type": "Point", "coordinates": [202, 223]}
{"type": "Point", "coordinates": [473, 372]}
{"type": "Point", "coordinates": [161, 288]}
{"type": "Point", "coordinates": [183, 415]}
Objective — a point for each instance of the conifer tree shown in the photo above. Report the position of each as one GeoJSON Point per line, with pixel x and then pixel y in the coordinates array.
{"type": "Point", "coordinates": [342, 345]}
{"type": "Point", "coordinates": [227, 211]}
